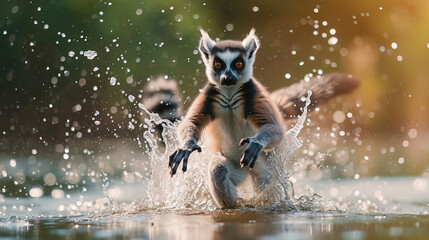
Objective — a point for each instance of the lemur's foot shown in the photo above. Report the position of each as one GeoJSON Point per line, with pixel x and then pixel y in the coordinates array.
{"type": "Point", "coordinates": [251, 153]}
{"type": "Point", "coordinates": [182, 153]}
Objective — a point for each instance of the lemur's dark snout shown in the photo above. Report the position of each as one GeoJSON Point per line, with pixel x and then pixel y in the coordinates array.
{"type": "Point", "coordinates": [228, 79]}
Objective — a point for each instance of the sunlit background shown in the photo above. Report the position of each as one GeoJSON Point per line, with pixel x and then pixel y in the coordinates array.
{"type": "Point", "coordinates": [72, 74]}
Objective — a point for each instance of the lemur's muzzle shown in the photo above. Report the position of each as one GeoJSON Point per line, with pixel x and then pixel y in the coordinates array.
{"type": "Point", "coordinates": [228, 79]}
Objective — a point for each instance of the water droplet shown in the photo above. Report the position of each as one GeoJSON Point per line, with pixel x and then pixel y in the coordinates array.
{"type": "Point", "coordinates": [333, 41]}
{"type": "Point", "coordinates": [229, 27]}
{"type": "Point", "coordinates": [178, 18]}
{"type": "Point", "coordinates": [58, 193]}
{"type": "Point", "coordinates": [50, 179]}
{"type": "Point", "coordinates": [112, 81]}
{"type": "Point", "coordinates": [36, 192]}
{"type": "Point", "coordinates": [14, 9]}
{"type": "Point", "coordinates": [131, 98]}
{"type": "Point", "coordinates": [12, 163]}
{"type": "Point", "coordinates": [412, 133]}
{"type": "Point", "coordinates": [339, 117]}
{"type": "Point", "coordinates": [90, 54]}
{"type": "Point", "coordinates": [399, 58]}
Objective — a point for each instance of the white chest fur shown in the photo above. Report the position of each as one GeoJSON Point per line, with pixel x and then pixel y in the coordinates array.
{"type": "Point", "coordinates": [230, 123]}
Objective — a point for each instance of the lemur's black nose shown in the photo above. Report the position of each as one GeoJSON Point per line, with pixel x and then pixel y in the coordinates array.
{"type": "Point", "coordinates": [228, 79]}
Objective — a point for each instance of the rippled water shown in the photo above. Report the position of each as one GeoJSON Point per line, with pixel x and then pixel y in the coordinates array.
{"type": "Point", "coordinates": [403, 211]}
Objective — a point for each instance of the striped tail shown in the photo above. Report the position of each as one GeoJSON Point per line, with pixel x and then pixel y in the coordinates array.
{"type": "Point", "coordinates": [290, 99]}
{"type": "Point", "coordinates": [162, 96]}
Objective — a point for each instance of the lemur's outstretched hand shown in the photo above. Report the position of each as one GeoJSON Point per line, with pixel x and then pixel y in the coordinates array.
{"type": "Point", "coordinates": [251, 153]}
{"type": "Point", "coordinates": [182, 153]}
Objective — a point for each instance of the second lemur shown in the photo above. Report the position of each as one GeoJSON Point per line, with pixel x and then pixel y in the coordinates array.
{"type": "Point", "coordinates": [235, 109]}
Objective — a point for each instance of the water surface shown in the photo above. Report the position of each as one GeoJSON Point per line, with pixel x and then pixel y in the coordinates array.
{"type": "Point", "coordinates": [396, 215]}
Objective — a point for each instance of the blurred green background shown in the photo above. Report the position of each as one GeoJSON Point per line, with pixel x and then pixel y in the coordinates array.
{"type": "Point", "coordinates": [53, 95]}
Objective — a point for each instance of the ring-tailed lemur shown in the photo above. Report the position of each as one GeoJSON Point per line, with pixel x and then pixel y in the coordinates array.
{"type": "Point", "coordinates": [235, 109]}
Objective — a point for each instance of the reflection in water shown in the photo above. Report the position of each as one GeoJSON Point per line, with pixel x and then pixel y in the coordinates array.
{"type": "Point", "coordinates": [230, 224]}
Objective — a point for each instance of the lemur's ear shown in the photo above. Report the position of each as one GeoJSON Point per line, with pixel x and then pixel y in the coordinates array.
{"type": "Point", "coordinates": [251, 43]}
{"type": "Point", "coordinates": [206, 45]}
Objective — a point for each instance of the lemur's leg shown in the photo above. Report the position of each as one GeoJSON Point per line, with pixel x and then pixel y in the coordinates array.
{"type": "Point", "coordinates": [223, 180]}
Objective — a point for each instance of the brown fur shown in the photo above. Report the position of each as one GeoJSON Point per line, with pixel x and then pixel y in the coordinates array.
{"type": "Point", "coordinates": [323, 88]}
{"type": "Point", "coordinates": [215, 139]}
{"type": "Point", "coordinates": [265, 114]}
{"type": "Point", "coordinates": [197, 120]}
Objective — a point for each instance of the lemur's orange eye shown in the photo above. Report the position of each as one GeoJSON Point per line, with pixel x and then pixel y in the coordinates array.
{"type": "Point", "coordinates": [238, 65]}
{"type": "Point", "coordinates": [218, 65]}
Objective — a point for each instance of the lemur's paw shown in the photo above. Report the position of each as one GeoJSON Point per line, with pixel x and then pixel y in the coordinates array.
{"type": "Point", "coordinates": [182, 154]}
{"type": "Point", "coordinates": [251, 153]}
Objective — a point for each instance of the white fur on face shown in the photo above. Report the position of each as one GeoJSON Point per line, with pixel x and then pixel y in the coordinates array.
{"type": "Point", "coordinates": [228, 57]}
{"type": "Point", "coordinates": [251, 44]}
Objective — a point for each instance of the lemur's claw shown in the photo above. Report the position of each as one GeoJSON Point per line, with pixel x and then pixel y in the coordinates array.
{"type": "Point", "coordinates": [251, 153]}
{"type": "Point", "coordinates": [181, 154]}
{"type": "Point", "coordinates": [171, 158]}
{"type": "Point", "coordinates": [243, 141]}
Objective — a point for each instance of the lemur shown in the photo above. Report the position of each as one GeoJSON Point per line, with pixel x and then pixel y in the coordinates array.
{"type": "Point", "coordinates": [234, 109]}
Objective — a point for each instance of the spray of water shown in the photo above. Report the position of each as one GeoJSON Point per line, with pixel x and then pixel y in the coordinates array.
{"type": "Point", "coordinates": [190, 191]}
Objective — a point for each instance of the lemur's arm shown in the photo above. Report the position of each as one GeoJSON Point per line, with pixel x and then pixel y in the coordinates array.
{"type": "Point", "coordinates": [189, 133]}
{"type": "Point", "coordinates": [264, 117]}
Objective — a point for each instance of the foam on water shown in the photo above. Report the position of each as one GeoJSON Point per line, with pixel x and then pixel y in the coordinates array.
{"type": "Point", "coordinates": [189, 191]}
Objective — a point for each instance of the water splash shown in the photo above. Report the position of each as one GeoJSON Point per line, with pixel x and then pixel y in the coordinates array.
{"type": "Point", "coordinates": [190, 191]}
{"type": "Point", "coordinates": [280, 195]}
{"type": "Point", "coordinates": [185, 190]}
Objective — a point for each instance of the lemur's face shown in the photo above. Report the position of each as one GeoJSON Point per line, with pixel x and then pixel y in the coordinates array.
{"type": "Point", "coordinates": [229, 62]}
